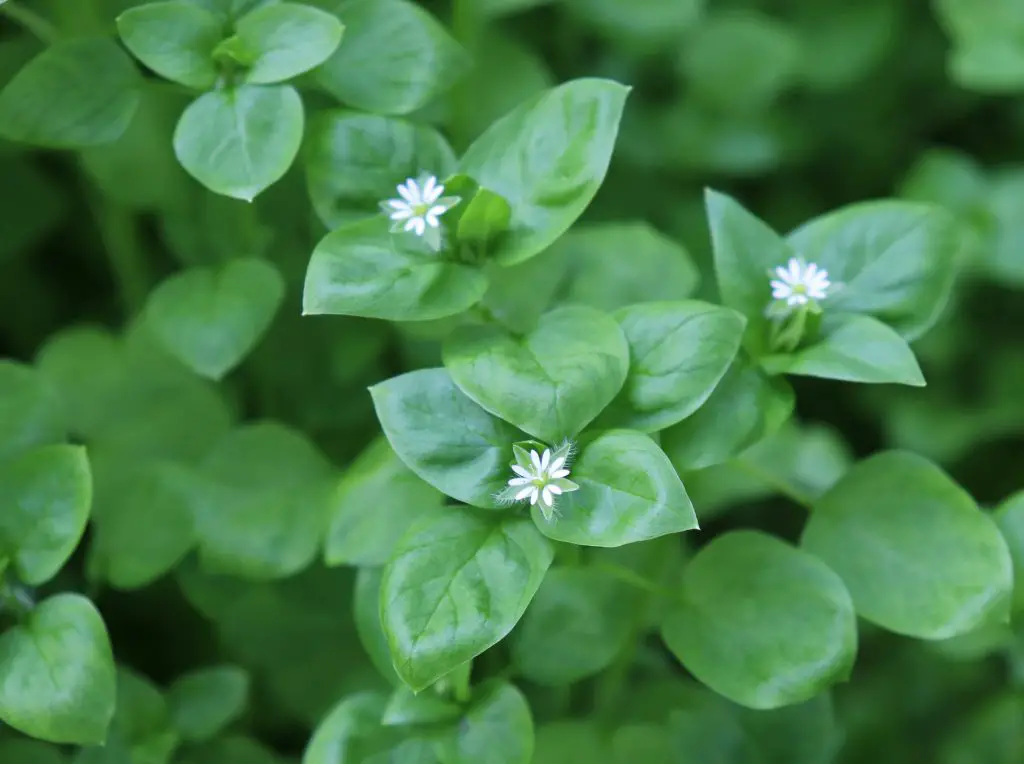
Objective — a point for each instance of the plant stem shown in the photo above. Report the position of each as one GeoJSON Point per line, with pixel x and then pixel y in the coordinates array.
{"type": "Point", "coordinates": [31, 20]}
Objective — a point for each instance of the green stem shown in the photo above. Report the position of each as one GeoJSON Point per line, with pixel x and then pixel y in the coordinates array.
{"type": "Point", "coordinates": [31, 20]}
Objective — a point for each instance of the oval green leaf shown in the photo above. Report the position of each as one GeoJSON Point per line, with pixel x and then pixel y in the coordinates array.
{"type": "Point", "coordinates": [211, 318]}
{"type": "Point", "coordinates": [629, 491]}
{"type": "Point", "coordinates": [175, 39]}
{"type": "Point", "coordinates": [365, 270]}
{"type": "Point", "coordinates": [202, 703]}
{"type": "Point", "coordinates": [57, 680]}
{"type": "Point", "coordinates": [496, 728]}
{"type": "Point", "coordinates": [547, 158]}
{"type": "Point", "coordinates": [76, 94]}
{"type": "Point", "coordinates": [46, 494]}
{"type": "Point", "coordinates": [1009, 516]}
{"type": "Point", "coordinates": [444, 437]}
{"type": "Point", "coordinates": [762, 623]}
{"type": "Point", "coordinates": [678, 353]}
{"type": "Point", "coordinates": [239, 141]}
{"type": "Point", "coordinates": [30, 410]}
{"type": "Point", "coordinates": [551, 382]}
{"type": "Point", "coordinates": [283, 40]}
{"type": "Point", "coordinates": [916, 553]}
{"type": "Point", "coordinates": [396, 58]}
{"type": "Point", "coordinates": [895, 260]}
{"type": "Point", "coordinates": [354, 161]}
{"type": "Point", "coordinates": [455, 586]}
{"type": "Point", "coordinates": [853, 348]}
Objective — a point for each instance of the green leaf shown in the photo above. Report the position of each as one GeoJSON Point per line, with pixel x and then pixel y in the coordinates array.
{"type": "Point", "coordinates": [396, 58]}
{"type": "Point", "coordinates": [355, 716]}
{"type": "Point", "coordinates": [142, 521]}
{"type": "Point", "coordinates": [485, 217]}
{"type": "Point", "coordinates": [364, 270]}
{"type": "Point", "coordinates": [204, 702]}
{"type": "Point", "coordinates": [408, 707]}
{"type": "Point", "coordinates": [235, 750]}
{"type": "Point", "coordinates": [283, 40]}
{"type": "Point", "coordinates": [895, 260]}
{"type": "Point", "coordinates": [454, 587]}
{"type": "Point", "coordinates": [612, 265]}
{"type": "Point", "coordinates": [1009, 516]}
{"type": "Point", "coordinates": [444, 437]}
{"type": "Point", "coordinates": [806, 733]}
{"type": "Point", "coordinates": [260, 502]}
{"type": "Point", "coordinates": [30, 410]}
{"type": "Point", "coordinates": [561, 741]}
{"type": "Point", "coordinates": [57, 673]}
{"type": "Point", "coordinates": [853, 348]}
{"type": "Point", "coordinates": [550, 383]}
{"type": "Point", "coordinates": [762, 623]}
{"type": "Point", "coordinates": [46, 494]}
{"type": "Point", "coordinates": [647, 23]}
{"type": "Point", "coordinates": [30, 752]}
{"type": "Point", "coordinates": [628, 492]}
{"type": "Point", "coordinates": [354, 161]}
{"type": "Point", "coordinates": [678, 353]}
{"type": "Point", "coordinates": [744, 408]}
{"type": "Point", "coordinates": [746, 250]}
{"type": "Point", "coordinates": [211, 318]}
{"type": "Point", "coordinates": [374, 503]}
{"type": "Point", "coordinates": [547, 158]}
{"type": "Point", "coordinates": [237, 142]}
{"type": "Point", "coordinates": [229, 10]}
{"type": "Point", "coordinates": [496, 729]}
{"type": "Point", "coordinates": [916, 553]}
{"type": "Point", "coordinates": [175, 39]}
{"type": "Point", "coordinates": [75, 94]}
{"type": "Point", "coordinates": [574, 627]}
{"type": "Point", "coordinates": [741, 60]}
{"type": "Point", "coordinates": [366, 611]}
{"type": "Point", "coordinates": [522, 293]}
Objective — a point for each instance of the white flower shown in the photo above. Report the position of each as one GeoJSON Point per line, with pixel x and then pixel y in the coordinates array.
{"type": "Point", "coordinates": [798, 283]}
{"type": "Point", "coordinates": [420, 206]}
{"type": "Point", "coordinates": [541, 478]}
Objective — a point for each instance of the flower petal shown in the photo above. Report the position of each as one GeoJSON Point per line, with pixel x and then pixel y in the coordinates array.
{"type": "Point", "coordinates": [409, 191]}
{"type": "Point", "coordinates": [559, 474]}
{"type": "Point", "coordinates": [556, 464]}
{"type": "Point", "coordinates": [521, 471]}
{"type": "Point", "coordinates": [535, 494]}
{"type": "Point", "coordinates": [535, 460]}
{"type": "Point", "coordinates": [418, 225]}
{"type": "Point", "coordinates": [546, 496]}
{"type": "Point", "coordinates": [553, 488]}
{"type": "Point", "coordinates": [525, 493]}
{"type": "Point", "coordinates": [519, 481]}
{"type": "Point", "coordinates": [545, 460]}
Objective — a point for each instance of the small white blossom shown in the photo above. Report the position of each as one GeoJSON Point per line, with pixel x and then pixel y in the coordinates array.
{"type": "Point", "coordinates": [541, 477]}
{"type": "Point", "coordinates": [798, 283]}
{"type": "Point", "coordinates": [420, 207]}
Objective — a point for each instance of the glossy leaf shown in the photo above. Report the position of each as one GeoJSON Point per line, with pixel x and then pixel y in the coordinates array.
{"type": "Point", "coordinates": [46, 494]}
{"type": "Point", "coordinates": [284, 40]}
{"type": "Point", "coordinates": [629, 492]}
{"type": "Point", "coordinates": [175, 39]}
{"type": "Point", "coordinates": [444, 437]}
{"type": "Point", "coordinates": [678, 353]}
{"type": "Point", "coordinates": [853, 348]}
{"type": "Point", "coordinates": [916, 553]}
{"type": "Point", "coordinates": [497, 728]}
{"type": "Point", "coordinates": [762, 623]}
{"type": "Point", "coordinates": [211, 318]}
{"type": "Point", "coordinates": [30, 413]}
{"type": "Point", "coordinates": [202, 703]}
{"type": "Point", "coordinates": [550, 383]}
{"type": "Point", "coordinates": [238, 142]}
{"type": "Point", "coordinates": [354, 161]}
{"type": "Point", "coordinates": [57, 673]}
{"type": "Point", "coordinates": [75, 94]}
{"type": "Point", "coordinates": [396, 58]}
{"type": "Point", "coordinates": [364, 270]}
{"type": "Point", "coordinates": [375, 501]}
{"type": "Point", "coordinates": [547, 158]}
{"type": "Point", "coordinates": [455, 586]}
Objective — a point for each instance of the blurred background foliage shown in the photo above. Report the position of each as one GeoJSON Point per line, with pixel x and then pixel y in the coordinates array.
{"type": "Point", "coordinates": [793, 106]}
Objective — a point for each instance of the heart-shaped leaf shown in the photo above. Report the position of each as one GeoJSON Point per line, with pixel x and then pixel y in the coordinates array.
{"type": "Point", "coordinates": [444, 437]}
{"type": "Point", "coordinates": [203, 702]}
{"type": "Point", "coordinates": [551, 382]}
{"type": "Point", "coordinates": [283, 40]}
{"type": "Point", "coordinates": [57, 673]}
{"type": "Point", "coordinates": [678, 353]}
{"type": "Point", "coordinates": [30, 410]}
{"type": "Point", "coordinates": [238, 141]}
{"type": "Point", "coordinates": [762, 623]}
{"type": "Point", "coordinates": [365, 270]}
{"type": "Point", "coordinates": [46, 494]}
{"type": "Point", "coordinates": [629, 491]}
{"type": "Point", "coordinates": [438, 578]}
{"type": "Point", "coordinates": [211, 318]}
